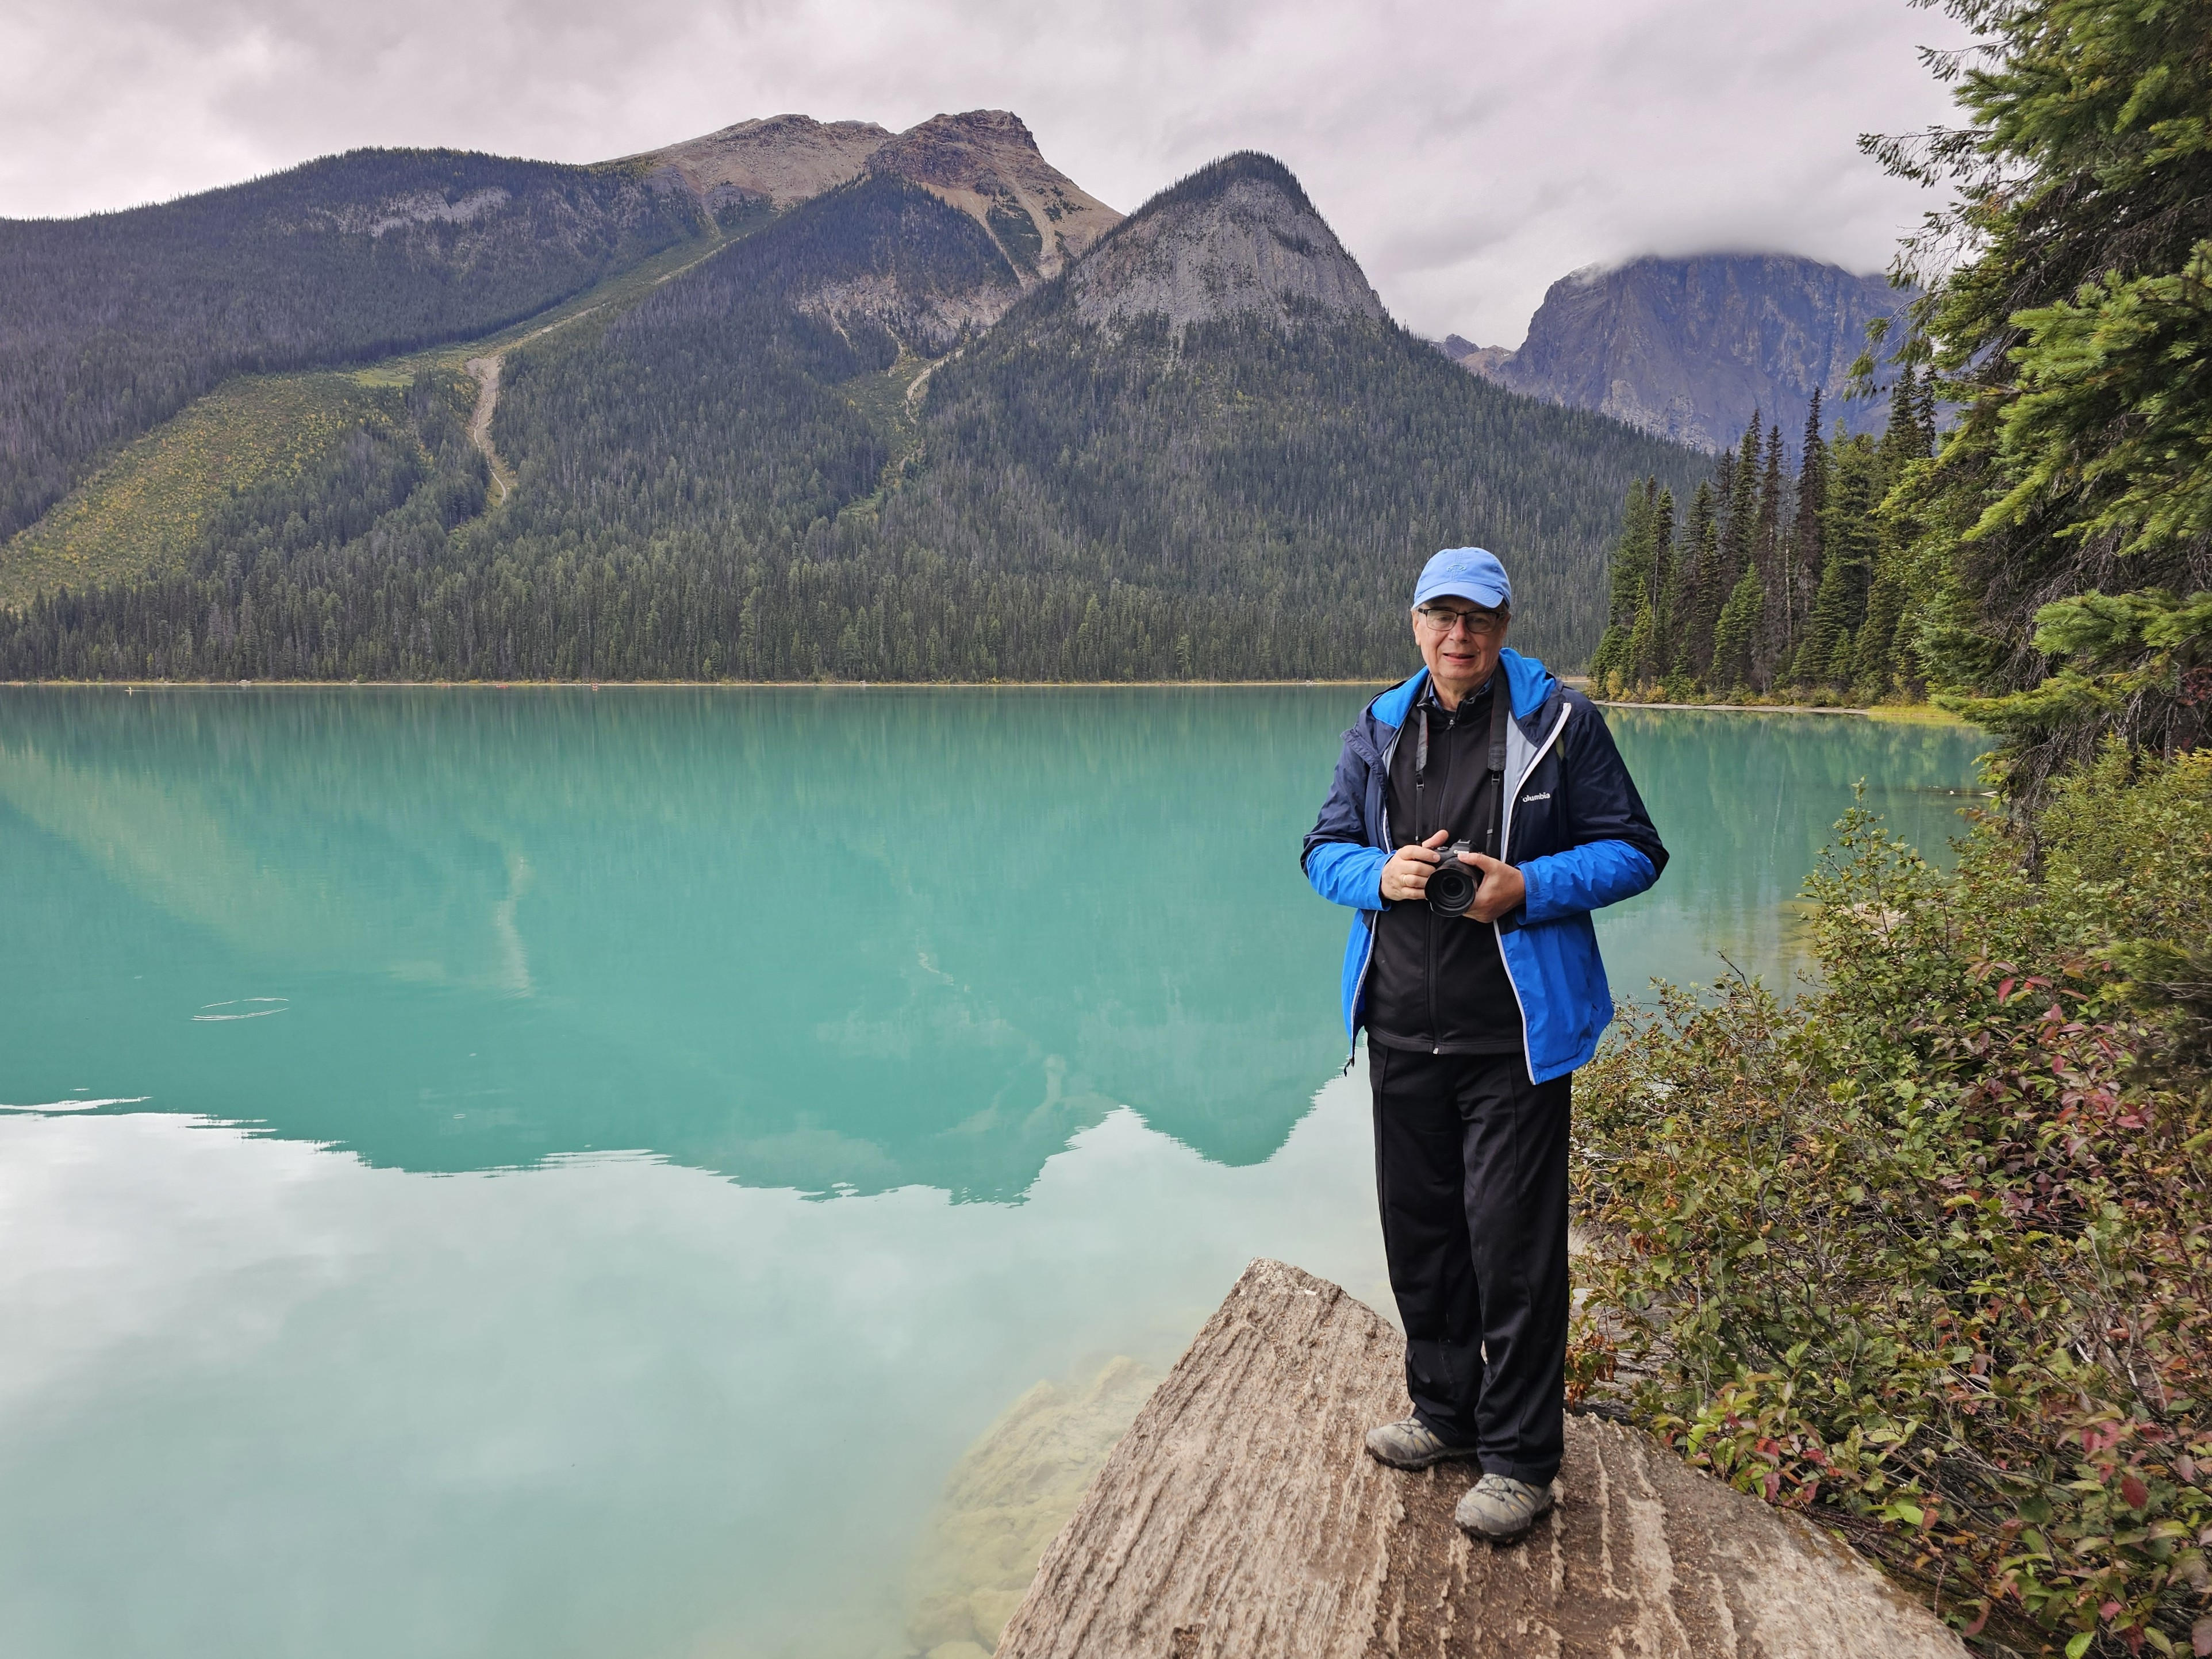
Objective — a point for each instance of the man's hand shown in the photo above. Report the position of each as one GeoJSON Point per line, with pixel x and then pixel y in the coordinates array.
{"type": "Point", "coordinates": [1406, 875]}
{"type": "Point", "coordinates": [1502, 891]}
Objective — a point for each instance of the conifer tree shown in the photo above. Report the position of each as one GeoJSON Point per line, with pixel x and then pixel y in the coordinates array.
{"type": "Point", "coordinates": [1767, 559]}
{"type": "Point", "coordinates": [1695, 607]}
{"type": "Point", "coordinates": [1805, 546]}
{"type": "Point", "coordinates": [1630, 580]}
{"type": "Point", "coordinates": [1736, 633]}
{"type": "Point", "coordinates": [1849, 540]}
{"type": "Point", "coordinates": [1739, 533]}
{"type": "Point", "coordinates": [1647, 661]}
{"type": "Point", "coordinates": [1874, 664]}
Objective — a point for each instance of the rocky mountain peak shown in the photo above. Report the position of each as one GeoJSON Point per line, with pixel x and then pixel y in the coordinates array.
{"type": "Point", "coordinates": [1237, 237]}
{"type": "Point", "coordinates": [1692, 349]}
{"type": "Point", "coordinates": [776, 162]}
{"type": "Point", "coordinates": [986, 163]}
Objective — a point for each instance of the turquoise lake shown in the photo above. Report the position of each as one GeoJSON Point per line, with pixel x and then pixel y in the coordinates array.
{"type": "Point", "coordinates": [555, 1173]}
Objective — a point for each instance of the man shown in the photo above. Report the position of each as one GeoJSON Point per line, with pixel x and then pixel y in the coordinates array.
{"type": "Point", "coordinates": [1476, 1021]}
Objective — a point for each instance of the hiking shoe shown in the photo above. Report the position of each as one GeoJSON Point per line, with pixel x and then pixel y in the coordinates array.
{"type": "Point", "coordinates": [1500, 1508]}
{"type": "Point", "coordinates": [1410, 1443]}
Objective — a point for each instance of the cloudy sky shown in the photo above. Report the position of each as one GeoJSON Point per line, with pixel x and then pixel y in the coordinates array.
{"type": "Point", "coordinates": [1469, 152]}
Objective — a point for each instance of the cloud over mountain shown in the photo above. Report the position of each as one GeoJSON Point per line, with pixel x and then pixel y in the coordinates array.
{"type": "Point", "coordinates": [1466, 154]}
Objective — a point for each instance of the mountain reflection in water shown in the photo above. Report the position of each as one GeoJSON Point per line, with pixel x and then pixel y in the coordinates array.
{"type": "Point", "coordinates": [836, 940]}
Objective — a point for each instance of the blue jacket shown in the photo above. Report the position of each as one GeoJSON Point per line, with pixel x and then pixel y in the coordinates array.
{"type": "Point", "coordinates": [1574, 826]}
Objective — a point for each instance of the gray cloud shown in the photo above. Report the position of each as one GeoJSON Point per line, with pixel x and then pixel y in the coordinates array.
{"type": "Point", "coordinates": [1468, 154]}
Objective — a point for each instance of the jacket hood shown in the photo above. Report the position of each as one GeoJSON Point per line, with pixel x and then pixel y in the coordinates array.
{"type": "Point", "coordinates": [1528, 684]}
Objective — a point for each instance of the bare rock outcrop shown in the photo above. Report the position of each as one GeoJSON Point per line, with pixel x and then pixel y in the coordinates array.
{"type": "Point", "coordinates": [986, 163]}
{"type": "Point", "coordinates": [1239, 1518]}
{"type": "Point", "coordinates": [1236, 237]}
{"type": "Point", "coordinates": [780, 159]}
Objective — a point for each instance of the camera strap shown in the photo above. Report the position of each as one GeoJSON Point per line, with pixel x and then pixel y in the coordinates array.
{"type": "Point", "coordinates": [1501, 711]}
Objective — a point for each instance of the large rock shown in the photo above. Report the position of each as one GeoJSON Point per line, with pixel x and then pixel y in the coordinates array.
{"type": "Point", "coordinates": [1239, 1517]}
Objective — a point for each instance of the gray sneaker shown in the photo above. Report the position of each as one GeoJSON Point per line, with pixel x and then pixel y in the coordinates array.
{"type": "Point", "coordinates": [1410, 1443]}
{"type": "Point", "coordinates": [1500, 1508]}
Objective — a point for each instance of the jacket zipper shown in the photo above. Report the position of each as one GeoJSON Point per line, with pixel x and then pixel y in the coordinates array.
{"type": "Point", "coordinates": [1420, 787]}
{"type": "Point", "coordinates": [1505, 847]}
{"type": "Point", "coordinates": [1367, 961]}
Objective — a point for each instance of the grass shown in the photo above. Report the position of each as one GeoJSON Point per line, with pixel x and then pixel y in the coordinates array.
{"type": "Point", "coordinates": [1915, 713]}
{"type": "Point", "coordinates": [141, 510]}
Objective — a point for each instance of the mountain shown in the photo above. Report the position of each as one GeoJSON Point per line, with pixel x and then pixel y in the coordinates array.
{"type": "Point", "coordinates": [112, 324]}
{"type": "Point", "coordinates": [864, 439]}
{"type": "Point", "coordinates": [986, 164]}
{"type": "Point", "coordinates": [1238, 238]}
{"type": "Point", "coordinates": [1213, 423]}
{"type": "Point", "coordinates": [1690, 349]}
{"type": "Point", "coordinates": [776, 163]}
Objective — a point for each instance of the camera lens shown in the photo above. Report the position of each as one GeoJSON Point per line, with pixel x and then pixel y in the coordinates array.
{"type": "Point", "coordinates": [1451, 888]}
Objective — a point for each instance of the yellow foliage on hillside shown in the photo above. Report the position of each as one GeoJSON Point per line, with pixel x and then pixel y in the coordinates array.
{"type": "Point", "coordinates": [140, 512]}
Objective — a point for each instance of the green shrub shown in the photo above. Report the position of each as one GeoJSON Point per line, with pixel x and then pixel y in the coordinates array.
{"type": "Point", "coordinates": [1925, 1252]}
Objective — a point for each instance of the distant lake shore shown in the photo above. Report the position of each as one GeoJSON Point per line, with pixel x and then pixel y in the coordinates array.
{"type": "Point", "coordinates": [1913, 712]}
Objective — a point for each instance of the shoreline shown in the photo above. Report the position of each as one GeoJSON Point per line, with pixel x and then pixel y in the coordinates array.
{"type": "Point", "coordinates": [1911, 714]}
{"type": "Point", "coordinates": [669, 685]}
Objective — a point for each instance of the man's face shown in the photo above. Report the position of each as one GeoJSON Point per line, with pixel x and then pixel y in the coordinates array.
{"type": "Point", "coordinates": [1460, 641]}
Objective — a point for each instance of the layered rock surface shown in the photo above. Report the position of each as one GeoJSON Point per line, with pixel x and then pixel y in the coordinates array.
{"type": "Point", "coordinates": [1240, 1518]}
{"type": "Point", "coordinates": [1236, 237]}
{"type": "Point", "coordinates": [780, 160]}
{"type": "Point", "coordinates": [983, 163]}
{"type": "Point", "coordinates": [986, 163]}
{"type": "Point", "coordinates": [1690, 349]}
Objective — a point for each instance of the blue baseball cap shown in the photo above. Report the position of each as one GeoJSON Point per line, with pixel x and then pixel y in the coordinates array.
{"type": "Point", "coordinates": [1466, 572]}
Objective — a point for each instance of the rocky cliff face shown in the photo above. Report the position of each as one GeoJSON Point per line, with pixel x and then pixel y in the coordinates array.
{"type": "Point", "coordinates": [778, 162]}
{"type": "Point", "coordinates": [1689, 349]}
{"type": "Point", "coordinates": [1236, 237]}
{"type": "Point", "coordinates": [985, 163]}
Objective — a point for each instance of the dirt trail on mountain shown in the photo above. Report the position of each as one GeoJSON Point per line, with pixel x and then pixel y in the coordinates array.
{"type": "Point", "coordinates": [486, 373]}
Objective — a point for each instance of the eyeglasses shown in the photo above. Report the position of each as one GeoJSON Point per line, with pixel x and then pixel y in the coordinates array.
{"type": "Point", "coordinates": [1442, 618]}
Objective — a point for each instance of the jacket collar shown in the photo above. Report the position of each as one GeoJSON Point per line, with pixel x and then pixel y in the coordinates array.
{"type": "Point", "coordinates": [1527, 681]}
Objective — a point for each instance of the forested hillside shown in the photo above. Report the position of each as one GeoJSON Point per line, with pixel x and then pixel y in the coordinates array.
{"type": "Point", "coordinates": [112, 323]}
{"type": "Point", "coordinates": [1785, 575]}
{"type": "Point", "coordinates": [1922, 1250]}
{"type": "Point", "coordinates": [732, 480]}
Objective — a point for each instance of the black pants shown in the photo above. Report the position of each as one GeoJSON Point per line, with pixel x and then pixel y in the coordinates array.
{"type": "Point", "coordinates": [1471, 1170]}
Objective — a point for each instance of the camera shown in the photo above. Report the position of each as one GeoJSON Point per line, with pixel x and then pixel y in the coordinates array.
{"type": "Point", "coordinates": [1452, 884]}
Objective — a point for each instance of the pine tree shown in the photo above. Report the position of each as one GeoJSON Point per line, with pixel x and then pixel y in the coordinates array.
{"type": "Point", "coordinates": [1739, 532]}
{"type": "Point", "coordinates": [1694, 607]}
{"type": "Point", "coordinates": [1736, 633]}
{"type": "Point", "coordinates": [1767, 559]}
{"type": "Point", "coordinates": [1849, 539]}
{"type": "Point", "coordinates": [1874, 664]}
{"type": "Point", "coordinates": [1630, 580]}
{"type": "Point", "coordinates": [1646, 655]}
{"type": "Point", "coordinates": [1805, 547]}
